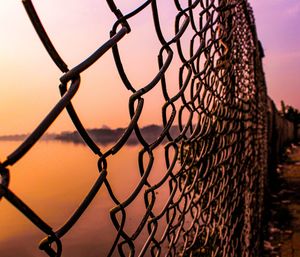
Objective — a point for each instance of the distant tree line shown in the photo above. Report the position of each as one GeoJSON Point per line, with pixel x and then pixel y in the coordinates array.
{"type": "Point", "coordinates": [292, 114]}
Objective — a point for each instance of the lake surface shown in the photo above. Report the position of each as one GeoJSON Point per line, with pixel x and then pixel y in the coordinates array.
{"type": "Point", "coordinates": [52, 179]}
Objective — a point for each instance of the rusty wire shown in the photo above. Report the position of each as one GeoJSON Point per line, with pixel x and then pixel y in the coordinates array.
{"type": "Point", "coordinates": [215, 164]}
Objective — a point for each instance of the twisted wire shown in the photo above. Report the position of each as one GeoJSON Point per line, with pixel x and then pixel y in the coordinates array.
{"type": "Point", "coordinates": [214, 136]}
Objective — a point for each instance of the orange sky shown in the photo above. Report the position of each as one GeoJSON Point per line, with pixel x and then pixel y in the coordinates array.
{"type": "Point", "coordinates": [29, 78]}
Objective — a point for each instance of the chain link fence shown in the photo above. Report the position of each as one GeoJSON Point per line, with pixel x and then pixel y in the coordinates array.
{"type": "Point", "coordinates": [214, 136]}
{"type": "Point", "coordinates": [280, 132]}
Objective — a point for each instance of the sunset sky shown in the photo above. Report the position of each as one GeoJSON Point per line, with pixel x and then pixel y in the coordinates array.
{"type": "Point", "coordinates": [29, 78]}
{"type": "Point", "coordinates": [278, 28]}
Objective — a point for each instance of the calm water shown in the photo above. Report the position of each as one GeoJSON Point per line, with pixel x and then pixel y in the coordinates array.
{"type": "Point", "coordinates": [52, 179]}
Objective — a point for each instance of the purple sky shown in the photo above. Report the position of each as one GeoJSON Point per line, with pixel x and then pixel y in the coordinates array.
{"type": "Point", "coordinates": [279, 31]}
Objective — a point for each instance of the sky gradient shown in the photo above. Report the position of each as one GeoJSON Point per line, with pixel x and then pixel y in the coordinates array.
{"type": "Point", "coordinates": [29, 79]}
{"type": "Point", "coordinates": [278, 28]}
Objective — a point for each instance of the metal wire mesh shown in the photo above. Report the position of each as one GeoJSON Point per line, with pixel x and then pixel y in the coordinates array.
{"type": "Point", "coordinates": [215, 159]}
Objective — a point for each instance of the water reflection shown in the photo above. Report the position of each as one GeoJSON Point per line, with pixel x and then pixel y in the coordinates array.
{"type": "Point", "coordinates": [52, 179]}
